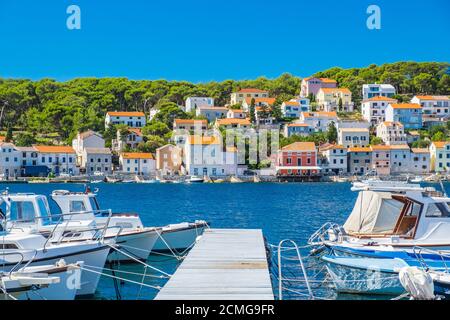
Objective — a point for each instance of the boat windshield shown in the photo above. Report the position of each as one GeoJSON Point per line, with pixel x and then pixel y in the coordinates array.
{"type": "Point", "coordinates": [44, 210]}
{"type": "Point", "coordinates": [22, 211]}
{"type": "Point", "coordinates": [94, 203]}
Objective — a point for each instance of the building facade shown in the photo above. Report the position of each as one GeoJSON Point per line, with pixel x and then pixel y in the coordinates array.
{"type": "Point", "coordinates": [211, 113]}
{"type": "Point", "coordinates": [440, 156]}
{"type": "Point", "coordinates": [329, 99]}
{"type": "Point", "coordinates": [169, 159]}
{"type": "Point", "coordinates": [138, 163]}
{"type": "Point", "coordinates": [293, 108]}
{"type": "Point", "coordinates": [333, 159]}
{"type": "Point", "coordinates": [240, 96]}
{"type": "Point", "coordinates": [391, 132]}
{"type": "Point", "coordinates": [359, 160]}
{"type": "Point", "coordinates": [312, 85]}
{"type": "Point", "coordinates": [438, 106]}
{"type": "Point", "coordinates": [374, 109]}
{"type": "Point", "coordinates": [353, 137]}
{"type": "Point", "coordinates": [130, 119]}
{"type": "Point", "coordinates": [377, 90]}
{"type": "Point", "coordinates": [408, 114]}
{"type": "Point", "coordinates": [192, 103]}
{"type": "Point", "coordinates": [96, 160]}
{"type": "Point", "coordinates": [297, 159]}
{"type": "Point", "coordinates": [299, 129]}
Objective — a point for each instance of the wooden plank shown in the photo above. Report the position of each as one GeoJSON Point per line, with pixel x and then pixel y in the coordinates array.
{"type": "Point", "coordinates": [225, 264]}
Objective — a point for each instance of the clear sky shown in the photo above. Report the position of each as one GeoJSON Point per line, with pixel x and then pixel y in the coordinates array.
{"type": "Point", "coordinates": [202, 40]}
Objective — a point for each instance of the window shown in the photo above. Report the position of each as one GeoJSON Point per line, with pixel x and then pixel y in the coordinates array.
{"type": "Point", "coordinates": [77, 206]}
{"type": "Point", "coordinates": [44, 210]}
{"type": "Point", "coordinates": [437, 210]}
{"type": "Point", "coordinates": [22, 211]}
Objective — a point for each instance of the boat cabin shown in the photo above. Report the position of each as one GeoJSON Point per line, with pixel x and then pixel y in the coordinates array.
{"type": "Point", "coordinates": [415, 214]}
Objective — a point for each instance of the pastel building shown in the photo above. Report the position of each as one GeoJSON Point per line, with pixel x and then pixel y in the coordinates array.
{"type": "Point", "coordinates": [240, 96]}
{"type": "Point", "coordinates": [129, 118]}
{"type": "Point", "coordinates": [192, 103]}
{"type": "Point", "coordinates": [169, 159]}
{"type": "Point", "coordinates": [359, 160]}
{"type": "Point", "coordinates": [236, 114]}
{"type": "Point", "coordinates": [319, 120]}
{"type": "Point", "coordinates": [259, 102]}
{"type": "Point", "coordinates": [409, 114]}
{"type": "Point", "coordinates": [138, 163]}
{"type": "Point", "coordinates": [440, 156]}
{"type": "Point", "coordinates": [381, 160]}
{"type": "Point", "coordinates": [400, 158]}
{"type": "Point", "coordinates": [58, 159]}
{"type": "Point", "coordinates": [374, 109]}
{"type": "Point", "coordinates": [299, 129]}
{"type": "Point", "coordinates": [333, 159]}
{"type": "Point", "coordinates": [391, 132]}
{"type": "Point", "coordinates": [232, 123]}
{"type": "Point", "coordinates": [10, 160]}
{"type": "Point", "coordinates": [87, 139]}
{"type": "Point", "coordinates": [377, 90]}
{"type": "Point", "coordinates": [293, 108]}
{"type": "Point", "coordinates": [433, 105]}
{"type": "Point", "coordinates": [312, 85]}
{"type": "Point", "coordinates": [353, 137]}
{"type": "Point", "coordinates": [190, 124]}
{"type": "Point", "coordinates": [420, 161]}
{"type": "Point", "coordinates": [95, 160]}
{"type": "Point", "coordinates": [328, 99]}
{"type": "Point", "coordinates": [211, 113]}
{"type": "Point", "coordinates": [130, 140]}
{"type": "Point", "coordinates": [297, 159]}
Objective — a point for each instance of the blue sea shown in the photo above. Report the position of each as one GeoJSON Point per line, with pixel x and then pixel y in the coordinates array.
{"type": "Point", "coordinates": [282, 210]}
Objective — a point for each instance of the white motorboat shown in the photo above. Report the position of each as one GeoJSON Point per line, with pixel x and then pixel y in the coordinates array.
{"type": "Point", "coordinates": [195, 179]}
{"type": "Point", "coordinates": [47, 282]}
{"type": "Point", "coordinates": [390, 216]}
{"type": "Point", "coordinates": [417, 179]}
{"type": "Point", "coordinates": [134, 236]}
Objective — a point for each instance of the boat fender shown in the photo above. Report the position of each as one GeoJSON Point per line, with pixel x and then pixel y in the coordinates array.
{"type": "Point", "coordinates": [61, 263]}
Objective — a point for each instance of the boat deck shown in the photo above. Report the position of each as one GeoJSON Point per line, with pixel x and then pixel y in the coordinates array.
{"type": "Point", "coordinates": [225, 264]}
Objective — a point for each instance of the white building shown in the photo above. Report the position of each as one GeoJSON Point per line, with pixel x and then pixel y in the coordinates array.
{"type": "Point", "coordinates": [294, 107]}
{"type": "Point", "coordinates": [240, 96]}
{"type": "Point", "coordinates": [353, 137]}
{"type": "Point", "coordinates": [377, 90]}
{"type": "Point", "coordinates": [59, 159]}
{"type": "Point", "coordinates": [333, 159]}
{"type": "Point", "coordinates": [129, 140]}
{"type": "Point", "coordinates": [138, 163]}
{"type": "Point", "coordinates": [420, 161]}
{"type": "Point", "coordinates": [440, 156]}
{"type": "Point", "coordinates": [319, 121]}
{"type": "Point", "coordinates": [433, 105]}
{"type": "Point", "coordinates": [400, 158]}
{"type": "Point", "coordinates": [236, 114]}
{"type": "Point", "coordinates": [192, 103]}
{"type": "Point", "coordinates": [96, 160]}
{"type": "Point", "coordinates": [129, 118]}
{"type": "Point", "coordinates": [87, 139]}
{"type": "Point", "coordinates": [10, 160]}
{"type": "Point", "coordinates": [374, 109]}
{"type": "Point", "coordinates": [391, 132]}
{"type": "Point", "coordinates": [211, 113]}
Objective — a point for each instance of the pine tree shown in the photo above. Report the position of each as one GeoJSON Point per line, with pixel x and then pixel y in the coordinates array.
{"type": "Point", "coordinates": [252, 110]}
{"type": "Point", "coordinates": [9, 134]}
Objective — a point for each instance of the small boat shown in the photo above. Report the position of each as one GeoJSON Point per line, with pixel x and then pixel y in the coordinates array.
{"type": "Point", "coordinates": [195, 179]}
{"type": "Point", "coordinates": [219, 181]}
{"type": "Point", "coordinates": [235, 179]}
{"type": "Point", "coordinates": [179, 237]}
{"type": "Point", "coordinates": [417, 179]}
{"type": "Point", "coordinates": [112, 180]}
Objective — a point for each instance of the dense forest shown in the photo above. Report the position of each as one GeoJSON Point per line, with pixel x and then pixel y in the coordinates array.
{"type": "Point", "coordinates": [60, 109]}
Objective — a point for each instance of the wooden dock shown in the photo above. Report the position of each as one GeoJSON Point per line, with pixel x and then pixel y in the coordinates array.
{"type": "Point", "coordinates": [225, 264]}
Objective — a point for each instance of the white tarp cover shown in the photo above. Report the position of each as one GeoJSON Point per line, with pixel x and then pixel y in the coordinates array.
{"type": "Point", "coordinates": [374, 212]}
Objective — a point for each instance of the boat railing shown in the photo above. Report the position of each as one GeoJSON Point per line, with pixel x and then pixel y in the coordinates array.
{"type": "Point", "coordinates": [419, 252]}
{"type": "Point", "coordinates": [318, 237]}
{"type": "Point", "coordinates": [22, 258]}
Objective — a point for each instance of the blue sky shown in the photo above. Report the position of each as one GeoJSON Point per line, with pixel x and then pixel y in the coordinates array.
{"type": "Point", "coordinates": [203, 40]}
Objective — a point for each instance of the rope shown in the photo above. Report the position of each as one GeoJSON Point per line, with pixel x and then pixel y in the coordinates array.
{"type": "Point", "coordinates": [128, 272]}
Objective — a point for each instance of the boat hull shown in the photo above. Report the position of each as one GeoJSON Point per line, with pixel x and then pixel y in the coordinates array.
{"type": "Point", "coordinates": [137, 245]}
{"type": "Point", "coordinates": [178, 239]}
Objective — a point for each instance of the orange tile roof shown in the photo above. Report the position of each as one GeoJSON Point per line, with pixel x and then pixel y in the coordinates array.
{"type": "Point", "coordinates": [204, 140]}
{"type": "Point", "coordinates": [354, 130]}
{"type": "Point", "coordinates": [359, 149]}
{"type": "Point", "coordinates": [54, 149]}
{"type": "Point", "coordinates": [440, 144]}
{"type": "Point", "coordinates": [380, 98]}
{"type": "Point", "coordinates": [236, 110]}
{"type": "Point", "coordinates": [406, 106]}
{"type": "Point", "coordinates": [328, 114]}
{"type": "Point", "coordinates": [333, 90]}
{"type": "Point", "coordinates": [433, 97]}
{"type": "Point", "coordinates": [231, 149]}
{"type": "Point", "coordinates": [392, 123]}
{"type": "Point", "coordinates": [300, 146]}
{"type": "Point", "coordinates": [213, 108]}
{"type": "Point", "coordinates": [298, 125]}
{"type": "Point", "coordinates": [2, 138]}
{"type": "Point", "coordinates": [125, 114]}
{"type": "Point", "coordinates": [190, 121]}
{"type": "Point", "coordinates": [292, 103]}
{"type": "Point", "coordinates": [252, 90]}
{"type": "Point", "coordinates": [136, 155]}
{"type": "Point", "coordinates": [136, 131]}
{"type": "Point", "coordinates": [333, 146]}
{"type": "Point", "coordinates": [269, 101]}
{"type": "Point", "coordinates": [380, 148]}
{"type": "Point", "coordinates": [420, 150]}
{"type": "Point", "coordinates": [399, 147]}
{"type": "Point", "coordinates": [328, 80]}
{"type": "Point", "coordinates": [227, 121]}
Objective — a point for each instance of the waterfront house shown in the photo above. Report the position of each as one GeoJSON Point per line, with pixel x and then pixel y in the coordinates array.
{"type": "Point", "coordinates": [353, 137]}
{"type": "Point", "coordinates": [192, 103]}
{"type": "Point", "coordinates": [293, 107]}
{"type": "Point", "coordinates": [409, 114]}
{"type": "Point", "coordinates": [420, 161]}
{"type": "Point", "coordinates": [440, 156]}
{"type": "Point", "coordinates": [130, 118]}
{"type": "Point", "coordinates": [333, 159]}
{"type": "Point", "coordinates": [381, 160]}
{"type": "Point", "coordinates": [190, 125]}
{"type": "Point", "coordinates": [168, 159]}
{"type": "Point", "coordinates": [129, 140]}
{"type": "Point", "coordinates": [204, 156]}
{"type": "Point", "coordinates": [374, 109]}
{"type": "Point", "coordinates": [297, 159]}
{"type": "Point", "coordinates": [400, 158]}
{"type": "Point", "coordinates": [10, 160]}
{"type": "Point", "coordinates": [412, 136]}
{"type": "Point", "coordinates": [247, 93]}
{"type": "Point", "coordinates": [328, 99]}
{"type": "Point", "coordinates": [263, 116]}
{"type": "Point", "coordinates": [265, 103]}
{"type": "Point", "coordinates": [391, 132]}
{"type": "Point", "coordinates": [312, 85]}
{"type": "Point", "coordinates": [231, 123]}
{"type": "Point", "coordinates": [58, 159]}
{"type": "Point", "coordinates": [87, 139]}
{"type": "Point", "coordinates": [429, 121]}
{"type": "Point", "coordinates": [139, 163]}
{"type": "Point", "coordinates": [236, 114]}
{"type": "Point", "coordinates": [211, 113]}
{"type": "Point", "coordinates": [29, 167]}
{"type": "Point", "coordinates": [94, 160]}
{"type": "Point", "coordinates": [359, 160]}
{"type": "Point", "coordinates": [433, 105]}
{"type": "Point", "coordinates": [377, 90]}
{"type": "Point", "coordinates": [299, 129]}
{"type": "Point", "coordinates": [319, 120]}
